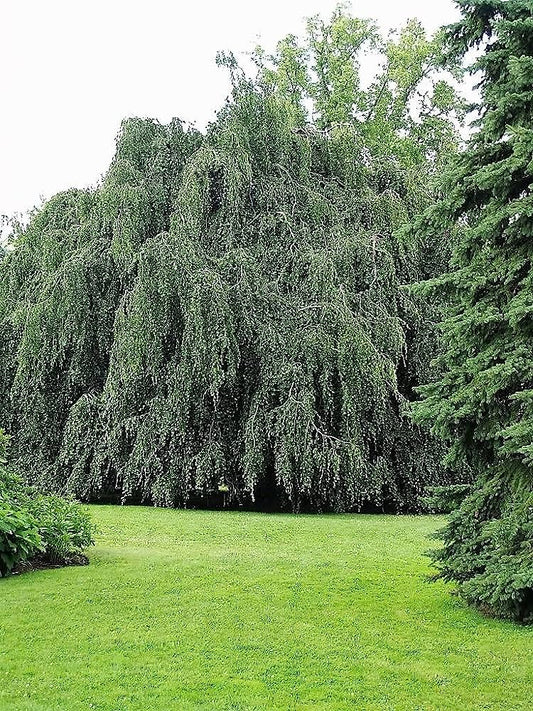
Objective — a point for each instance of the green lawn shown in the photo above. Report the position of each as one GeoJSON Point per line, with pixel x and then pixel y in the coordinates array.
{"type": "Point", "coordinates": [218, 610]}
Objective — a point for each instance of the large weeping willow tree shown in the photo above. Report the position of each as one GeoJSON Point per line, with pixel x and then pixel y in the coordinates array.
{"type": "Point", "coordinates": [224, 311]}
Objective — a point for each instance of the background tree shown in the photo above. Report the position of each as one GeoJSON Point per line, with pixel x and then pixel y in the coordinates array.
{"type": "Point", "coordinates": [483, 402]}
{"type": "Point", "coordinates": [224, 310]}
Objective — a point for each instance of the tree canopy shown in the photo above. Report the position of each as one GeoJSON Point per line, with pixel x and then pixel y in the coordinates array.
{"type": "Point", "coordinates": [224, 310]}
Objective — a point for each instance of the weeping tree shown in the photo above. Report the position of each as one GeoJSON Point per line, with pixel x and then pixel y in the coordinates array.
{"type": "Point", "coordinates": [224, 311]}
{"type": "Point", "coordinates": [483, 399]}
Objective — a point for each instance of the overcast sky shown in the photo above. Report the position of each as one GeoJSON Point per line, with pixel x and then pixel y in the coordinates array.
{"type": "Point", "coordinates": [72, 69]}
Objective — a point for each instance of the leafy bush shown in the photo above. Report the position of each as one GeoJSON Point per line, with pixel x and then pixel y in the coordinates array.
{"type": "Point", "coordinates": [30, 523]}
{"type": "Point", "coordinates": [64, 526]}
{"type": "Point", "coordinates": [12, 488]}
{"type": "Point", "coordinates": [19, 537]}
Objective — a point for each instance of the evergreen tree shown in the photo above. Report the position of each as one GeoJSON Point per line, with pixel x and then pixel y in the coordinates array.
{"type": "Point", "coordinates": [483, 402]}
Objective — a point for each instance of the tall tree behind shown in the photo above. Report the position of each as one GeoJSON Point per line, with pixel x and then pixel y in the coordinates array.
{"type": "Point", "coordinates": [483, 402]}
{"type": "Point", "coordinates": [225, 309]}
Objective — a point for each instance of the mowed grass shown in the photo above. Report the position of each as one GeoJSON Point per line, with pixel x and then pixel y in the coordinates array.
{"type": "Point", "coordinates": [229, 610]}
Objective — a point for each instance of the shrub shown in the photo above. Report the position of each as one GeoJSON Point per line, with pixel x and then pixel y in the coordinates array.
{"type": "Point", "coordinates": [30, 523]}
{"type": "Point", "coordinates": [12, 488]}
{"type": "Point", "coordinates": [64, 526]}
{"type": "Point", "coordinates": [19, 537]}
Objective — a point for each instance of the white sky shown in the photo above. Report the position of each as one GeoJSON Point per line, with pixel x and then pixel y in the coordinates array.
{"type": "Point", "coordinates": [70, 70]}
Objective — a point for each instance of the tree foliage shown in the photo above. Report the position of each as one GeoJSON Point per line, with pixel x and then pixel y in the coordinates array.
{"type": "Point", "coordinates": [224, 310]}
{"type": "Point", "coordinates": [483, 402]}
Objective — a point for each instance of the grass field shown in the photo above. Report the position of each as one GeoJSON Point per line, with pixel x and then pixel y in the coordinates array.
{"type": "Point", "coordinates": [218, 610]}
